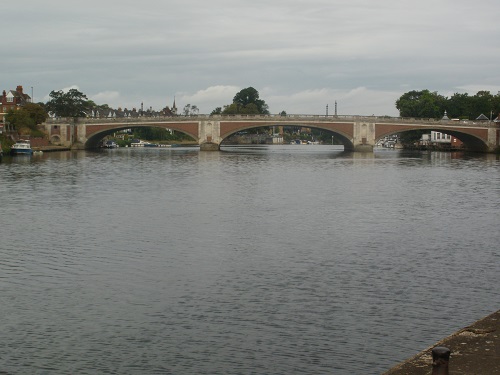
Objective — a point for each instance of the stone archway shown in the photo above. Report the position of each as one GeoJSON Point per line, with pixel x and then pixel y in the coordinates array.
{"type": "Point", "coordinates": [55, 139]}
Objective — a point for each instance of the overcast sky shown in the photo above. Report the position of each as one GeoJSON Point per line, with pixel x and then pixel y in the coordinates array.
{"type": "Point", "coordinates": [299, 54]}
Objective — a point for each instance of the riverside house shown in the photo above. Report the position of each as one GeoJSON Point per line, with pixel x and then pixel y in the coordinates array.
{"type": "Point", "coordinates": [12, 99]}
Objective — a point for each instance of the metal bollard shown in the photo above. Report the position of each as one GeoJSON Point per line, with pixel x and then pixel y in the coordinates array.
{"type": "Point", "coordinates": [440, 360]}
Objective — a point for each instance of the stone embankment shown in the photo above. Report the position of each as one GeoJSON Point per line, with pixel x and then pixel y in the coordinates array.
{"type": "Point", "coordinates": [50, 148]}
{"type": "Point", "coordinates": [475, 350]}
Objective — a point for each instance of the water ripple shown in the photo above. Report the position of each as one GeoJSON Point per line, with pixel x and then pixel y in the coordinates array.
{"type": "Point", "coordinates": [266, 260]}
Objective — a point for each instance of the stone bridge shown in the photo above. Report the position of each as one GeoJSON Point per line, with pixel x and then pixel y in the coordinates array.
{"type": "Point", "coordinates": [357, 133]}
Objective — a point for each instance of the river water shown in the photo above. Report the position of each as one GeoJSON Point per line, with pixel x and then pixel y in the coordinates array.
{"type": "Point", "coordinates": [252, 260]}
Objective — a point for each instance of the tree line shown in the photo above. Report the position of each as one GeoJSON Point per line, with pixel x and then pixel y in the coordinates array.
{"type": "Point", "coordinates": [427, 104]}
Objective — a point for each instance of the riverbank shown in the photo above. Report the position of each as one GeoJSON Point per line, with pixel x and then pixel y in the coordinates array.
{"type": "Point", "coordinates": [51, 148]}
{"type": "Point", "coordinates": [474, 350]}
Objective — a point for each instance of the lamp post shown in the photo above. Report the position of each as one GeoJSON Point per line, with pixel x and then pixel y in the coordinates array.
{"type": "Point", "coordinates": [32, 99]}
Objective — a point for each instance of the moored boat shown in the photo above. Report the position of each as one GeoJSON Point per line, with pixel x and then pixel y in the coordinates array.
{"type": "Point", "coordinates": [110, 144]}
{"type": "Point", "coordinates": [137, 143]}
{"type": "Point", "coordinates": [21, 147]}
{"type": "Point", "coordinates": [141, 143]}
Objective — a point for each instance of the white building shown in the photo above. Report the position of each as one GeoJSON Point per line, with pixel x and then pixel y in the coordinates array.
{"type": "Point", "coordinates": [438, 137]}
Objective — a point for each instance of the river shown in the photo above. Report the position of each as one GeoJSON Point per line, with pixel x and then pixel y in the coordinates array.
{"type": "Point", "coordinates": [252, 260]}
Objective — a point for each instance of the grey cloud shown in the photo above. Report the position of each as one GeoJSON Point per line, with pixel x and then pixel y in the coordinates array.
{"type": "Point", "coordinates": [154, 50]}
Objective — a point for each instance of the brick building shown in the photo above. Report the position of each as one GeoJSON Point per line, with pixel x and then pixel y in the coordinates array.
{"type": "Point", "coordinates": [12, 99]}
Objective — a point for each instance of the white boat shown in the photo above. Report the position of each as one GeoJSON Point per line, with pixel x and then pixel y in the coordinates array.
{"type": "Point", "coordinates": [110, 144]}
{"type": "Point", "coordinates": [141, 143]}
{"type": "Point", "coordinates": [137, 143]}
{"type": "Point", "coordinates": [21, 147]}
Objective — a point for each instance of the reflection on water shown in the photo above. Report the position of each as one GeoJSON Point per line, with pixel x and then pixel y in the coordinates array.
{"type": "Point", "coordinates": [282, 259]}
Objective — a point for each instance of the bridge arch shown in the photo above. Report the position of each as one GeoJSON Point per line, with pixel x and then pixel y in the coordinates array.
{"type": "Point", "coordinates": [230, 128]}
{"type": "Point", "coordinates": [94, 139]}
{"type": "Point", "coordinates": [471, 141]}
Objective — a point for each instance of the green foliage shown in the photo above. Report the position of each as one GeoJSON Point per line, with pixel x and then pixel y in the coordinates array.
{"type": "Point", "coordinates": [232, 109]}
{"type": "Point", "coordinates": [216, 111]}
{"type": "Point", "coordinates": [246, 102]}
{"type": "Point", "coordinates": [421, 104]}
{"type": "Point", "coordinates": [26, 119]}
{"type": "Point", "coordinates": [123, 142]}
{"type": "Point", "coordinates": [485, 103]}
{"type": "Point", "coordinates": [36, 112]}
{"type": "Point", "coordinates": [410, 137]}
{"type": "Point", "coordinates": [426, 104]}
{"type": "Point", "coordinates": [68, 104]}
{"type": "Point", "coordinates": [20, 119]}
{"type": "Point", "coordinates": [6, 143]}
{"type": "Point", "coordinates": [459, 106]}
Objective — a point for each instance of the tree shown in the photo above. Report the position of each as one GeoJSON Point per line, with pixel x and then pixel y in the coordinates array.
{"type": "Point", "coordinates": [495, 111]}
{"type": "Point", "coordinates": [409, 138]}
{"type": "Point", "coordinates": [26, 119]}
{"type": "Point", "coordinates": [68, 104]}
{"type": "Point", "coordinates": [421, 104]}
{"type": "Point", "coordinates": [190, 110]}
{"type": "Point", "coordinates": [36, 112]}
{"type": "Point", "coordinates": [20, 119]}
{"type": "Point", "coordinates": [459, 106]}
{"type": "Point", "coordinates": [247, 102]}
{"type": "Point", "coordinates": [250, 109]}
{"type": "Point", "coordinates": [428, 104]}
{"type": "Point", "coordinates": [216, 111]}
{"type": "Point", "coordinates": [232, 109]}
{"type": "Point", "coordinates": [482, 103]}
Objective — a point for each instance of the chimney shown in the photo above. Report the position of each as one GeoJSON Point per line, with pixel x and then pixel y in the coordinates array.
{"type": "Point", "coordinates": [19, 89]}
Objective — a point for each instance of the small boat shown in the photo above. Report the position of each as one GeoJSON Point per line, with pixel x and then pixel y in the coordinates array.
{"type": "Point", "coordinates": [21, 147]}
{"type": "Point", "coordinates": [110, 144]}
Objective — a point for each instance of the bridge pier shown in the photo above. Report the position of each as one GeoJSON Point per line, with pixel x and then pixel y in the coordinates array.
{"type": "Point", "coordinates": [493, 143]}
{"type": "Point", "coordinates": [363, 136]}
{"type": "Point", "coordinates": [209, 146]}
{"type": "Point", "coordinates": [363, 148]}
{"type": "Point", "coordinates": [209, 135]}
